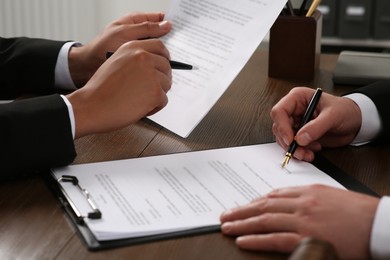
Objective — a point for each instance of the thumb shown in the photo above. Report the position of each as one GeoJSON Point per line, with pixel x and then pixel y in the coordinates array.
{"type": "Point", "coordinates": [313, 130]}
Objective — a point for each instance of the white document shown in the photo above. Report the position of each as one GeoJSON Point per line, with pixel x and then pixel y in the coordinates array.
{"type": "Point", "coordinates": [218, 37]}
{"type": "Point", "coordinates": [185, 191]}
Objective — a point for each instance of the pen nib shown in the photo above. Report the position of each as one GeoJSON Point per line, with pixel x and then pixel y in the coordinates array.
{"type": "Point", "coordinates": [286, 160]}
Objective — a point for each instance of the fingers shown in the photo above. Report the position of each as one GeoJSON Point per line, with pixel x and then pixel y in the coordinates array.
{"type": "Point", "coordinates": [288, 111]}
{"type": "Point", "coordinates": [301, 153]}
{"type": "Point", "coordinates": [275, 242]}
{"type": "Point", "coordinates": [261, 206]}
{"type": "Point", "coordinates": [286, 115]}
{"type": "Point", "coordinates": [160, 59]}
{"type": "Point", "coordinates": [289, 192]}
{"type": "Point", "coordinates": [314, 129]}
{"type": "Point", "coordinates": [150, 52]}
{"type": "Point", "coordinates": [152, 45]}
{"type": "Point", "coordinates": [277, 201]}
{"type": "Point", "coordinates": [163, 102]}
{"type": "Point", "coordinates": [264, 223]}
{"type": "Point", "coordinates": [142, 26]}
{"type": "Point", "coordinates": [134, 18]}
{"type": "Point", "coordinates": [147, 30]}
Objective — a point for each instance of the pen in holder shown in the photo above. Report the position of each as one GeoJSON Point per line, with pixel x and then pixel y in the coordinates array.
{"type": "Point", "coordinates": [295, 46]}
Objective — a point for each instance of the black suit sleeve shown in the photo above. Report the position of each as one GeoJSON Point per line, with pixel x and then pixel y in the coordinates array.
{"type": "Point", "coordinates": [35, 133]}
{"type": "Point", "coordinates": [379, 93]}
{"type": "Point", "coordinates": [27, 66]}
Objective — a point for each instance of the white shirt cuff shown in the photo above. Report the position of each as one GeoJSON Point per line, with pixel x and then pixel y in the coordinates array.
{"type": "Point", "coordinates": [371, 121]}
{"type": "Point", "coordinates": [71, 115]}
{"type": "Point", "coordinates": [62, 76]}
{"type": "Point", "coordinates": [380, 233]}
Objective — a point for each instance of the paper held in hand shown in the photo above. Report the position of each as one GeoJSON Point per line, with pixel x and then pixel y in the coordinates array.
{"type": "Point", "coordinates": [218, 37]}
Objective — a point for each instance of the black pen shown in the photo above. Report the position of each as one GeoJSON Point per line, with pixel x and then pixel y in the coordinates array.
{"type": "Point", "coordinates": [303, 7]}
{"type": "Point", "coordinates": [306, 117]}
{"type": "Point", "coordinates": [174, 64]}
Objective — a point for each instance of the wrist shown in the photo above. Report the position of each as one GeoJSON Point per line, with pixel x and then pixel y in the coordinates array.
{"type": "Point", "coordinates": [81, 121]}
{"type": "Point", "coordinates": [356, 115]}
{"type": "Point", "coordinates": [80, 67]}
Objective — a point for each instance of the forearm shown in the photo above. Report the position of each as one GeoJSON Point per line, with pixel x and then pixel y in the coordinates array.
{"type": "Point", "coordinates": [35, 134]}
{"type": "Point", "coordinates": [27, 66]}
{"type": "Point", "coordinates": [81, 67]}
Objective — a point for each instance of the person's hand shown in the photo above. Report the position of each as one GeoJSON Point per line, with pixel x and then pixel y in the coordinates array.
{"type": "Point", "coordinates": [336, 122]}
{"type": "Point", "coordinates": [280, 220]}
{"type": "Point", "coordinates": [85, 60]}
{"type": "Point", "coordinates": [131, 84]}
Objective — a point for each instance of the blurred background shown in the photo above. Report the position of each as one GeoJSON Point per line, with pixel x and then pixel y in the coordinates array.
{"type": "Point", "coordinates": [347, 24]}
{"type": "Point", "coordinates": [77, 20]}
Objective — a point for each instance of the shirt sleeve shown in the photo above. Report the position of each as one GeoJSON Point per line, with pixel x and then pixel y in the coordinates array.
{"type": "Point", "coordinates": [371, 126]}
{"type": "Point", "coordinates": [63, 78]}
{"type": "Point", "coordinates": [371, 122]}
{"type": "Point", "coordinates": [71, 115]}
{"type": "Point", "coordinates": [380, 233]}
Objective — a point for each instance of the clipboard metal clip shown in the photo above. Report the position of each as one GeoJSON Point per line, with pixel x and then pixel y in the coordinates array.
{"type": "Point", "coordinates": [94, 214]}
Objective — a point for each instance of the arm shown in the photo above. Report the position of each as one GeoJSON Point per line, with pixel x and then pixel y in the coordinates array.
{"type": "Point", "coordinates": [283, 218]}
{"type": "Point", "coordinates": [379, 93]}
{"type": "Point", "coordinates": [36, 134]}
{"type": "Point", "coordinates": [33, 132]}
{"type": "Point", "coordinates": [27, 66]}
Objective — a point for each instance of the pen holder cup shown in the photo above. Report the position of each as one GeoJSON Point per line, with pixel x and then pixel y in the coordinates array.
{"type": "Point", "coordinates": [295, 46]}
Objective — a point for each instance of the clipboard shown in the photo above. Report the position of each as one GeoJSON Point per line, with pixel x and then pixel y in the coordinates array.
{"type": "Point", "coordinates": [85, 234]}
{"type": "Point", "coordinates": [342, 177]}
{"type": "Point", "coordinates": [93, 244]}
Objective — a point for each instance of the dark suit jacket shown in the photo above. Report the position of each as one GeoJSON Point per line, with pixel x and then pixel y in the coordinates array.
{"type": "Point", "coordinates": [35, 133]}
{"type": "Point", "coordinates": [379, 92]}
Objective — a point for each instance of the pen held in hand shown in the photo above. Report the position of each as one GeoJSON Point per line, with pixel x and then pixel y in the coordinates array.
{"type": "Point", "coordinates": [306, 117]}
{"type": "Point", "coordinates": [174, 64]}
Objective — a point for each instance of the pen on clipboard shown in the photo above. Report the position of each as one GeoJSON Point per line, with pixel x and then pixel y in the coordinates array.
{"type": "Point", "coordinates": [313, 7]}
{"type": "Point", "coordinates": [306, 117]}
{"type": "Point", "coordinates": [174, 64]}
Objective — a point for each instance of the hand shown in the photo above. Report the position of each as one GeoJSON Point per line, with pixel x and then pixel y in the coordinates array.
{"type": "Point", "coordinates": [280, 220]}
{"type": "Point", "coordinates": [131, 84]}
{"type": "Point", "coordinates": [85, 60]}
{"type": "Point", "coordinates": [336, 122]}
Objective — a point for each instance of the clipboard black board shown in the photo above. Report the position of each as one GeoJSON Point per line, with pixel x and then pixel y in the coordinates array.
{"type": "Point", "coordinates": [93, 244]}
{"type": "Point", "coordinates": [342, 177]}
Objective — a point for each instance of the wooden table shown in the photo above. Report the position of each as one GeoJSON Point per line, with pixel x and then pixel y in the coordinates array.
{"type": "Point", "coordinates": [34, 226]}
